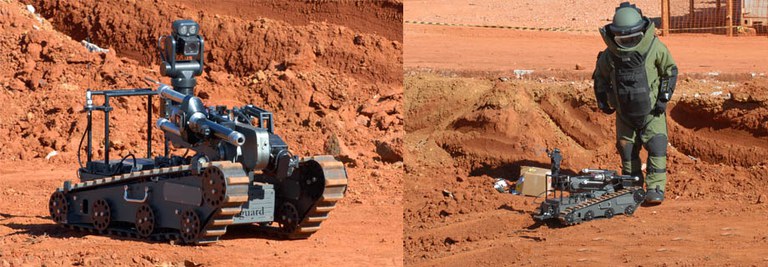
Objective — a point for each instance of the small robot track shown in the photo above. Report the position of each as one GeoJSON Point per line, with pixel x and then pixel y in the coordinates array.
{"type": "Point", "coordinates": [569, 212]}
{"type": "Point", "coordinates": [335, 186]}
{"type": "Point", "coordinates": [235, 194]}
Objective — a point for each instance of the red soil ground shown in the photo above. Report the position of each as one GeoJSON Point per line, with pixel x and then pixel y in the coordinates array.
{"type": "Point", "coordinates": [334, 89]}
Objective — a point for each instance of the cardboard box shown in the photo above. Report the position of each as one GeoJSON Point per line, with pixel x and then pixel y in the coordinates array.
{"type": "Point", "coordinates": [537, 180]}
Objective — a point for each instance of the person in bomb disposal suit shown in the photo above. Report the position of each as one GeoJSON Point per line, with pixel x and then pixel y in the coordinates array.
{"type": "Point", "coordinates": [635, 77]}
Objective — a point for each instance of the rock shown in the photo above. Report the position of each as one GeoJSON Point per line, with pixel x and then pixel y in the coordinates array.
{"type": "Point", "coordinates": [390, 150]}
{"type": "Point", "coordinates": [383, 121]}
{"type": "Point", "coordinates": [332, 145]}
{"type": "Point", "coordinates": [335, 146]}
{"type": "Point", "coordinates": [762, 199]}
{"type": "Point", "coordinates": [359, 40]}
{"type": "Point", "coordinates": [117, 144]}
{"type": "Point", "coordinates": [362, 120]}
{"type": "Point", "coordinates": [287, 75]}
{"type": "Point", "coordinates": [579, 67]}
{"type": "Point", "coordinates": [260, 77]}
{"type": "Point", "coordinates": [219, 77]}
{"type": "Point", "coordinates": [320, 100]}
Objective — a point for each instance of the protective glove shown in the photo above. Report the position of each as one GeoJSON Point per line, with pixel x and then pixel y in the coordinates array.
{"type": "Point", "coordinates": [659, 108]}
{"type": "Point", "coordinates": [602, 103]}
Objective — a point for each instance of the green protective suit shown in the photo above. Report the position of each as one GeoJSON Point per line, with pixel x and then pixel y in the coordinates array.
{"type": "Point", "coordinates": [649, 128]}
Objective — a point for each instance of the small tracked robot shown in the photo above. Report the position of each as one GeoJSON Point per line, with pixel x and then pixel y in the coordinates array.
{"type": "Point", "coordinates": [240, 172]}
{"type": "Point", "coordinates": [593, 194]}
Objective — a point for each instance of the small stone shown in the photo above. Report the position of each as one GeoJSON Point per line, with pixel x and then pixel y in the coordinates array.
{"type": "Point", "coordinates": [261, 76]}
{"type": "Point", "coordinates": [359, 40]}
{"type": "Point", "coordinates": [362, 120]}
{"type": "Point", "coordinates": [762, 199]}
{"type": "Point", "coordinates": [579, 67]}
{"type": "Point", "coordinates": [287, 75]}
{"type": "Point", "coordinates": [390, 150]}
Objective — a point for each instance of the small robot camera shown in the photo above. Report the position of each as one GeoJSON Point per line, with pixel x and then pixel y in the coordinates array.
{"type": "Point", "coordinates": [186, 34]}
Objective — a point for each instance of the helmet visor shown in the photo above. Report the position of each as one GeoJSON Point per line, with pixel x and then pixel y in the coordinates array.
{"type": "Point", "coordinates": [629, 40]}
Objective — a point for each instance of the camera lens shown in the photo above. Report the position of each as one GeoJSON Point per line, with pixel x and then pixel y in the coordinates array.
{"type": "Point", "coordinates": [191, 48]}
{"type": "Point", "coordinates": [193, 30]}
{"type": "Point", "coordinates": [183, 30]}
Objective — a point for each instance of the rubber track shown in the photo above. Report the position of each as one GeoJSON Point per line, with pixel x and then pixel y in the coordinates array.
{"type": "Point", "coordinates": [593, 202]}
{"type": "Point", "coordinates": [335, 187]}
{"type": "Point", "coordinates": [236, 182]}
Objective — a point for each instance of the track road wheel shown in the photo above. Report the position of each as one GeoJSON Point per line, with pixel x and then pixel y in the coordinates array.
{"type": "Point", "coordinates": [608, 213]}
{"type": "Point", "coordinates": [101, 214]}
{"type": "Point", "coordinates": [190, 227]}
{"type": "Point", "coordinates": [288, 218]}
{"type": "Point", "coordinates": [145, 220]}
{"type": "Point", "coordinates": [569, 218]}
{"type": "Point", "coordinates": [639, 196]}
{"type": "Point", "coordinates": [589, 216]}
{"type": "Point", "coordinates": [58, 206]}
{"type": "Point", "coordinates": [213, 186]}
{"type": "Point", "coordinates": [629, 210]}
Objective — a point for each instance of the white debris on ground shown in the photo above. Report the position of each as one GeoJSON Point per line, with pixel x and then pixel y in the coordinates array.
{"type": "Point", "coordinates": [32, 10]}
{"type": "Point", "coordinates": [51, 154]}
{"type": "Point", "coordinates": [520, 73]}
{"type": "Point", "coordinates": [93, 48]}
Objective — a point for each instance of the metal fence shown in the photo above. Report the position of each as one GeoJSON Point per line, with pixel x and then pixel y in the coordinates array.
{"type": "Point", "coordinates": [729, 17]}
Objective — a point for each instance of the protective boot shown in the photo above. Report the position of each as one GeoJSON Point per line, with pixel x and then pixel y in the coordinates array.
{"type": "Point", "coordinates": [654, 196]}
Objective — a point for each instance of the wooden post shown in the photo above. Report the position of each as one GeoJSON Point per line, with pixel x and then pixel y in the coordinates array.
{"type": "Point", "coordinates": [717, 11]}
{"type": "Point", "coordinates": [664, 17]}
{"type": "Point", "coordinates": [692, 12]}
{"type": "Point", "coordinates": [729, 17]}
